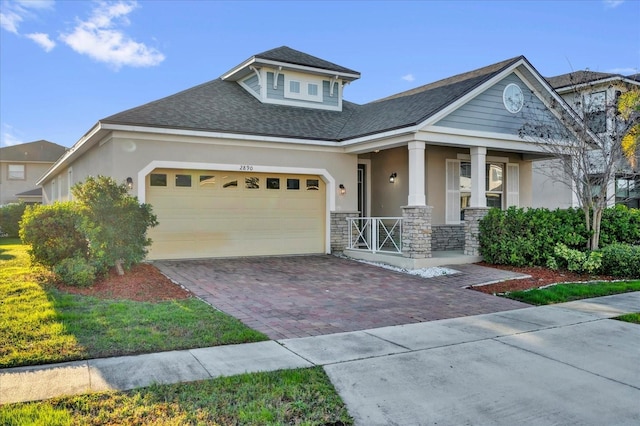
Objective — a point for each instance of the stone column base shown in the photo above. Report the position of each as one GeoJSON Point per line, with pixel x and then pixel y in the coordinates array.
{"type": "Point", "coordinates": [416, 231]}
{"type": "Point", "coordinates": [472, 217]}
{"type": "Point", "coordinates": [340, 230]}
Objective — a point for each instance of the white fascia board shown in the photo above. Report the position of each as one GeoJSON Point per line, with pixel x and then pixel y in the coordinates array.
{"type": "Point", "coordinates": [313, 70]}
{"type": "Point", "coordinates": [258, 62]}
{"type": "Point", "coordinates": [467, 138]}
{"type": "Point", "coordinates": [85, 142]}
{"type": "Point", "coordinates": [218, 135]}
{"type": "Point", "coordinates": [379, 140]}
{"type": "Point", "coordinates": [301, 104]}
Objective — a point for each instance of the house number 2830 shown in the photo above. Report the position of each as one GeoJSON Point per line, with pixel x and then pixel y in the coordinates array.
{"type": "Point", "coordinates": [246, 168]}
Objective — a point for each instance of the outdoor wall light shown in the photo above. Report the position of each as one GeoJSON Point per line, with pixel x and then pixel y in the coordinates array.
{"type": "Point", "coordinates": [129, 183]}
{"type": "Point", "coordinates": [392, 177]}
{"type": "Point", "coordinates": [343, 190]}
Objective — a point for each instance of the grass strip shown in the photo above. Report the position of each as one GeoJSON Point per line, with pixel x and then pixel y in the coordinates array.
{"type": "Point", "coordinates": [560, 293]}
{"type": "Point", "coordinates": [301, 397]}
{"type": "Point", "coordinates": [42, 325]}
{"type": "Point", "coordinates": [633, 318]}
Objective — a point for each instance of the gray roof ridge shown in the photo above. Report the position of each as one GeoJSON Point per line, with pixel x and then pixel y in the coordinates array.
{"type": "Point", "coordinates": [565, 80]}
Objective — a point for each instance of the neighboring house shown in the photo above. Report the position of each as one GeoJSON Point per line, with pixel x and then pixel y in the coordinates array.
{"type": "Point", "coordinates": [270, 159]}
{"type": "Point", "coordinates": [20, 168]}
{"type": "Point", "coordinates": [596, 94]}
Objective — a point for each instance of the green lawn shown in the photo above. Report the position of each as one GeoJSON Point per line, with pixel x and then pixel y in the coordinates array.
{"type": "Point", "coordinates": [567, 292]}
{"type": "Point", "coordinates": [301, 397]}
{"type": "Point", "coordinates": [633, 318]}
{"type": "Point", "coordinates": [40, 324]}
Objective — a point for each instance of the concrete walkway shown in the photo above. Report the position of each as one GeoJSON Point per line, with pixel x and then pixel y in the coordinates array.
{"type": "Point", "coordinates": [562, 364]}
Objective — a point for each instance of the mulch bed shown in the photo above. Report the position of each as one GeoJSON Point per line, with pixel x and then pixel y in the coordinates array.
{"type": "Point", "coordinates": [145, 283]}
{"type": "Point", "coordinates": [142, 283]}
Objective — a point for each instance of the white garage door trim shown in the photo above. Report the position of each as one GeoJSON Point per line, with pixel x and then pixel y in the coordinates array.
{"type": "Point", "coordinates": [323, 173]}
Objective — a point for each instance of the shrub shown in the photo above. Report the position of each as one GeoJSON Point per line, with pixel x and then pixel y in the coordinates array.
{"type": "Point", "coordinates": [575, 260]}
{"type": "Point", "coordinates": [621, 260]}
{"type": "Point", "coordinates": [76, 271]}
{"type": "Point", "coordinates": [527, 237]}
{"type": "Point", "coordinates": [53, 233]}
{"type": "Point", "coordinates": [10, 216]}
{"type": "Point", "coordinates": [620, 224]}
{"type": "Point", "coordinates": [114, 222]}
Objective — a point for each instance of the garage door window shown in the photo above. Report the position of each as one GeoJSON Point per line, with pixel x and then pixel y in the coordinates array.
{"type": "Point", "coordinates": [207, 181]}
{"type": "Point", "coordinates": [230, 183]}
{"type": "Point", "coordinates": [273, 183]}
{"type": "Point", "coordinates": [183, 181]}
{"type": "Point", "coordinates": [312, 185]}
{"type": "Point", "coordinates": [158, 179]}
{"type": "Point", "coordinates": [252, 182]}
{"type": "Point", "coordinates": [293, 184]}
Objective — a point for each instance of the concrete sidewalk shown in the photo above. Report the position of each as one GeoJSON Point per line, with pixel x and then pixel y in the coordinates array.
{"type": "Point", "coordinates": [560, 364]}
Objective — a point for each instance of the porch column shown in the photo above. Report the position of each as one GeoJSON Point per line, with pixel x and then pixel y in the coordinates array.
{"type": "Point", "coordinates": [478, 178]}
{"type": "Point", "coordinates": [416, 231]}
{"type": "Point", "coordinates": [416, 174]}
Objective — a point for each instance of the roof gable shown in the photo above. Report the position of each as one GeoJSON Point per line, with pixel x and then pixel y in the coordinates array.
{"type": "Point", "coordinates": [288, 55]}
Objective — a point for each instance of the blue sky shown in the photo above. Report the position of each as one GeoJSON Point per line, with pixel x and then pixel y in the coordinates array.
{"type": "Point", "coordinates": [64, 65]}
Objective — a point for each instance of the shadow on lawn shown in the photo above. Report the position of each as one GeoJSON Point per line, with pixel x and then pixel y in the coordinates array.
{"type": "Point", "coordinates": [4, 255]}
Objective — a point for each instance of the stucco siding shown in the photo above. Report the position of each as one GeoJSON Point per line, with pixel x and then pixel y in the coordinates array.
{"type": "Point", "coordinates": [10, 187]}
{"type": "Point", "coordinates": [342, 167]}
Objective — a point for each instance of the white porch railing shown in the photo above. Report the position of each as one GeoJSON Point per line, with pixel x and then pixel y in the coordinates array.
{"type": "Point", "coordinates": [375, 234]}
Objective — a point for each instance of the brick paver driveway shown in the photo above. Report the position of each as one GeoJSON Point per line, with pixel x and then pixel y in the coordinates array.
{"type": "Point", "coordinates": [299, 296]}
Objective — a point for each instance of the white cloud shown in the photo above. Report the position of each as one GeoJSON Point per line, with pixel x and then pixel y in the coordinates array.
{"type": "Point", "coordinates": [13, 13]}
{"type": "Point", "coordinates": [43, 40]}
{"type": "Point", "coordinates": [101, 38]}
{"type": "Point", "coordinates": [613, 3]}
{"type": "Point", "coordinates": [8, 136]}
{"type": "Point", "coordinates": [10, 21]}
{"type": "Point", "coordinates": [408, 77]}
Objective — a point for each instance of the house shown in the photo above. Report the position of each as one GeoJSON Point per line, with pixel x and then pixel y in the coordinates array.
{"type": "Point", "coordinates": [20, 168]}
{"type": "Point", "coordinates": [271, 159]}
{"type": "Point", "coordinates": [596, 94]}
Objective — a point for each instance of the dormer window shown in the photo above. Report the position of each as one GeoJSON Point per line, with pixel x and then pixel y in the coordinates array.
{"type": "Point", "coordinates": [306, 89]}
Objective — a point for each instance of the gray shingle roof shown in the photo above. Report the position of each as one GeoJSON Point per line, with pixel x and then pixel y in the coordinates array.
{"type": "Point", "coordinates": [292, 56]}
{"type": "Point", "coordinates": [42, 150]}
{"type": "Point", "coordinates": [578, 77]}
{"type": "Point", "coordinates": [224, 106]}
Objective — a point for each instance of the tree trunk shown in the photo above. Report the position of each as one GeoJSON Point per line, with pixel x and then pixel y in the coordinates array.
{"type": "Point", "coordinates": [119, 267]}
{"type": "Point", "coordinates": [597, 220]}
{"type": "Point", "coordinates": [587, 222]}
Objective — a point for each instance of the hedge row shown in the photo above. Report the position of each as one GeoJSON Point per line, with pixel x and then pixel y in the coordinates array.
{"type": "Point", "coordinates": [528, 237]}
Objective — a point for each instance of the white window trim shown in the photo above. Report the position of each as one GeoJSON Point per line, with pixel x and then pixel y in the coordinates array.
{"type": "Point", "coordinates": [24, 171]}
{"type": "Point", "coordinates": [304, 88]}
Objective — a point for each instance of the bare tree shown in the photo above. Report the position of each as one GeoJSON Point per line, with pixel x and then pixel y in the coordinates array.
{"type": "Point", "coordinates": [585, 143]}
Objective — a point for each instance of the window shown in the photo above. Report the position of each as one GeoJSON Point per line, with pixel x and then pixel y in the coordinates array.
{"type": "Point", "coordinates": [207, 180]}
{"type": "Point", "coordinates": [293, 184]}
{"type": "Point", "coordinates": [183, 181]}
{"type": "Point", "coordinates": [229, 182]}
{"type": "Point", "coordinates": [595, 112]}
{"type": "Point", "coordinates": [312, 185]}
{"type": "Point", "coordinates": [158, 179]}
{"type": "Point", "coordinates": [302, 87]}
{"type": "Point", "coordinates": [252, 182]}
{"type": "Point", "coordinates": [628, 191]}
{"type": "Point", "coordinates": [273, 183]}
{"type": "Point", "coordinates": [497, 188]}
{"type": "Point", "coordinates": [16, 172]}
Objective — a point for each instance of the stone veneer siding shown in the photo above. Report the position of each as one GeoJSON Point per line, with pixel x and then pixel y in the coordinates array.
{"type": "Point", "coordinates": [416, 231]}
{"type": "Point", "coordinates": [447, 237]}
{"type": "Point", "coordinates": [340, 230]}
{"type": "Point", "coordinates": [472, 217]}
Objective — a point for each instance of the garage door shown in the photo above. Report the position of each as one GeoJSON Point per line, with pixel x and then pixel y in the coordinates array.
{"type": "Point", "coordinates": [225, 214]}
